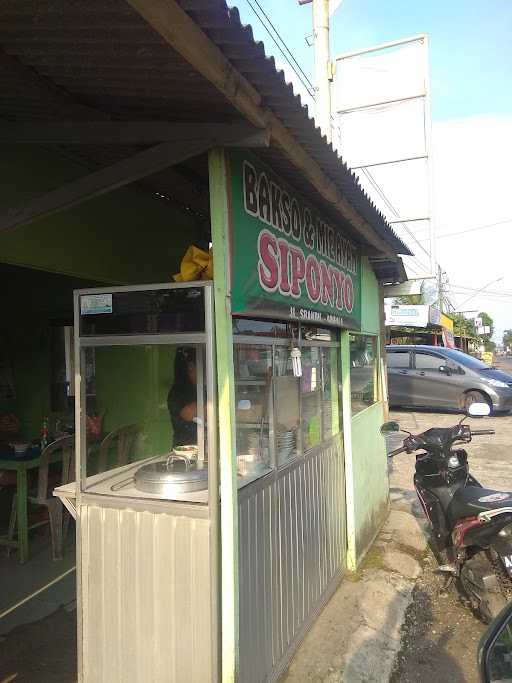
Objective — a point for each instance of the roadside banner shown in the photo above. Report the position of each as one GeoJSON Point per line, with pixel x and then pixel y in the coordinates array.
{"type": "Point", "coordinates": [288, 261]}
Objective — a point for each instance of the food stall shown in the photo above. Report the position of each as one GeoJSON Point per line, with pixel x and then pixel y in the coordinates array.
{"type": "Point", "coordinates": [148, 508]}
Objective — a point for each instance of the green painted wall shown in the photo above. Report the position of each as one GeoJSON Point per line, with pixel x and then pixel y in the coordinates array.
{"type": "Point", "coordinates": [368, 481]}
{"type": "Point", "coordinates": [370, 299]}
{"type": "Point", "coordinates": [132, 383]}
{"type": "Point", "coordinates": [370, 476]}
{"type": "Point", "coordinates": [124, 237]}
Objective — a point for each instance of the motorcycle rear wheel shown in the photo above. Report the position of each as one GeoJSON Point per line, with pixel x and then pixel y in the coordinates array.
{"type": "Point", "coordinates": [486, 602]}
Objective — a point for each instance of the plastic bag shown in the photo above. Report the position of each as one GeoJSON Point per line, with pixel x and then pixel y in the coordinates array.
{"type": "Point", "coordinates": [197, 264]}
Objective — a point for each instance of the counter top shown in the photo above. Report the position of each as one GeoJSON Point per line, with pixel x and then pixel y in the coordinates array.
{"type": "Point", "coordinates": [119, 483]}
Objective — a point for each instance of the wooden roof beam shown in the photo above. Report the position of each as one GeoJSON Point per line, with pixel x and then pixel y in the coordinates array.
{"type": "Point", "coordinates": [112, 177]}
{"type": "Point", "coordinates": [126, 132]}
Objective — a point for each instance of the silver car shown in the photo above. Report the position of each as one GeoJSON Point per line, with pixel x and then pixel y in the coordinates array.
{"type": "Point", "coordinates": [438, 377]}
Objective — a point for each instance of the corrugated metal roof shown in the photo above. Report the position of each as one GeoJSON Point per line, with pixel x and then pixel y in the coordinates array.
{"type": "Point", "coordinates": [75, 60]}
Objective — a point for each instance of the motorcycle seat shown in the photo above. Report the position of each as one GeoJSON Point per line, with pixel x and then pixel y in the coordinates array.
{"type": "Point", "coordinates": [469, 501]}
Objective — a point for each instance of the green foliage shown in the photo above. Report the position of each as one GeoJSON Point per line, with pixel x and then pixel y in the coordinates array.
{"type": "Point", "coordinates": [410, 300]}
{"type": "Point", "coordinates": [462, 327]}
{"type": "Point", "coordinates": [507, 338]}
{"type": "Point", "coordinates": [487, 321]}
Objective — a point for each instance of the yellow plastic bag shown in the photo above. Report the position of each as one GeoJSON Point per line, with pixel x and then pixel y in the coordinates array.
{"type": "Point", "coordinates": [197, 264]}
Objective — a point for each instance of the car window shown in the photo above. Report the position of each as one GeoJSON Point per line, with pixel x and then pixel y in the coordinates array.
{"type": "Point", "coordinates": [398, 359]}
{"type": "Point", "coordinates": [467, 360]}
{"type": "Point", "coordinates": [427, 361]}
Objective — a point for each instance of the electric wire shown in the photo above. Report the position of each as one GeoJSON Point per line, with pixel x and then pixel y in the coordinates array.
{"type": "Point", "coordinates": [474, 229]}
{"type": "Point", "coordinates": [298, 71]}
{"type": "Point", "coordinates": [388, 203]}
{"type": "Point", "coordinates": [281, 39]}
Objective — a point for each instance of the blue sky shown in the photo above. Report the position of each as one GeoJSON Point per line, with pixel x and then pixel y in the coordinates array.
{"type": "Point", "coordinates": [470, 43]}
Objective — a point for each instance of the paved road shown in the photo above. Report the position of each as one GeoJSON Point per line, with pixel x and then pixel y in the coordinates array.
{"type": "Point", "coordinates": [441, 635]}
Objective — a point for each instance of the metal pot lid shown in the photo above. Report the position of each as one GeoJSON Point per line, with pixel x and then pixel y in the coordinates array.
{"type": "Point", "coordinates": [162, 473]}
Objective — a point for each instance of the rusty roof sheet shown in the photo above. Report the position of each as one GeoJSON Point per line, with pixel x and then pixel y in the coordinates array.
{"type": "Point", "coordinates": [76, 60]}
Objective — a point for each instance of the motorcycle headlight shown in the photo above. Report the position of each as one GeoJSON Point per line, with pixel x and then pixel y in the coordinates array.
{"type": "Point", "coordinates": [497, 383]}
{"type": "Point", "coordinates": [453, 461]}
{"type": "Point", "coordinates": [506, 531]}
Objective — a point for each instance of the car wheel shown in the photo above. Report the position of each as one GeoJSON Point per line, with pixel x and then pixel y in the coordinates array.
{"type": "Point", "coordinates": [474, 397]}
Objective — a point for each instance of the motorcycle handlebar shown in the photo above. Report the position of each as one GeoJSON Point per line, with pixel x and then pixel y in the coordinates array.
{"type": "Point", "coordinates": [479, 432]}
{"type": "Point", "coordinates": [397, 451]}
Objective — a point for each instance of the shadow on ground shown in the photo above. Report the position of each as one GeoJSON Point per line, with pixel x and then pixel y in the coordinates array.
{"type": "Point", "coordinates": [41, 652]}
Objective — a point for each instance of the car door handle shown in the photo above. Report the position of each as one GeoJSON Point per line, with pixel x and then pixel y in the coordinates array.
{"type": "Point", "coordinates": [403, 372]}
{"type": "Point", "coordinates": [421, 374]}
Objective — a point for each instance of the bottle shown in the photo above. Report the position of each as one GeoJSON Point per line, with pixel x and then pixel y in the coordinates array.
{"type": "Point", "coordinates": [44, 434]}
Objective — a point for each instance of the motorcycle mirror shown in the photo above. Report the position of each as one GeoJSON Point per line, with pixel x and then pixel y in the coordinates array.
{"type": "Point", "coordinates": [389, 427]}
{"type": "Point", "coordinates": [479, 410]}
{"type": "Point", "coordinates": [495, 649]}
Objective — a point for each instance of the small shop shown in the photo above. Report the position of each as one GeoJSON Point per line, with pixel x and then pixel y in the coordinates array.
{"type": "Point", "coordinates": [210, 345]}
{"type": "Point", "coordinates": [419, 324]}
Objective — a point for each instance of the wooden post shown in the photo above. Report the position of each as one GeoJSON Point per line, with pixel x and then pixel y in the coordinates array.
{"type": "Point", "coordinates": [347, 439]}
{"type": "Point", "coordinates": [219, 208]}
{"type": "Point", "coordinates": [383, 366]}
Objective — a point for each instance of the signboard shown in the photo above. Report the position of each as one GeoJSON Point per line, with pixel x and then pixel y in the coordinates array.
{"type": "Point", "coordinates": [446, 322]}
{"type": "Point", "coordinates": [408, 316]}
{"type": "Point", "coordinates": [434, 316]}
{"type": "Point", "coordinates": [287, 260]}
{"type": "Point", "coordinates": [448, 339]}
{"type": "Point", "coordinates": [483, 329]}
{"type": "Point", "coordinates": [94, 304]}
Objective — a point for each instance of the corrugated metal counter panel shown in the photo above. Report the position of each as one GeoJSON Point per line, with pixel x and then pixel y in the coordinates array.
{"type": "Point", "coordinates": [146, 597]}
{"type": "Point", "coordinates": [292, 549]}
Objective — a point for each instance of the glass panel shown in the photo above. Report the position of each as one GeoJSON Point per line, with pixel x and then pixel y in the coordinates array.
{"type": "Point", "coordinates": [363, 371]}
{"type": "Point", "coordinates": [260, 328]}
{"type": "Point", "coordinates": [148, 399]}
{"type": "Point", "coordinates": [425, 361]}
{"type": "Point", "coordinates": [286, 407]}
{"type": "Point", "coordinates": [253, 388]}
{"type": "Point", "coordinates": [320, 334]}
{"type": "Point", "coordinates": [397, 359]}
{"type": "Point", "coordinates": [331, 393]}
{"type": "Point", "coordinates": [147, 312]}
{"type": "Point", "coordinates": [311, 388]}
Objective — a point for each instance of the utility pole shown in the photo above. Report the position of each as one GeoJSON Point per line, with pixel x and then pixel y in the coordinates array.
{"type": "Point", "coordinates": [323, 64]}
{"type": "Point", "coordinates": [440, 287]}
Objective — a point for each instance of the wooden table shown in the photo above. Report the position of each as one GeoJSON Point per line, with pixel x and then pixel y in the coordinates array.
{"type": "Point", "coordinates": [21, 467]}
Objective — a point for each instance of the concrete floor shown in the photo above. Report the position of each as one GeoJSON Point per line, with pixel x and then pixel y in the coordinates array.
{"type": "Point", "coordinates": [38, 638]}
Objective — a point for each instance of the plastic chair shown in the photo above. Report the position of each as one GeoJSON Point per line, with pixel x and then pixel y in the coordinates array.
{"type": "Point", "coordinates": [122, 440]}
{"type": "Point", "coordinates": [44, 494]}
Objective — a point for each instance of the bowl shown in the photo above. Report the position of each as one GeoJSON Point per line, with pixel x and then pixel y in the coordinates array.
{"type": "Point", "coordinates": [189, 451]}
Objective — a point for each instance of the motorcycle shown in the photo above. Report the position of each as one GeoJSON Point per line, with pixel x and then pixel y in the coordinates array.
{"type": "Point", "coordinates": [471, 526]}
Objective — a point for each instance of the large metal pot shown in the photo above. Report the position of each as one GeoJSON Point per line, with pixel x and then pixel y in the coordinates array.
{"type": "Point", "coordinates": [165, 478]}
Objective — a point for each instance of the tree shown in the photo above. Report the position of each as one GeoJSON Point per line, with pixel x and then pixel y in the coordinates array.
{"type": "Point", "coordinates": [507, 338]}
{"type": "Point", "coordinates": [462, 327]}
{"type": "Point", "coordinates": [487, 321]}
{"type": "Point", "coordinates": [409, 300]}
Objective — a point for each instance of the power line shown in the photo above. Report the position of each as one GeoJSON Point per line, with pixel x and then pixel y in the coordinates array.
{"type": "Point", "coordinates": [474, 289]}
{"type": "Point", "coordinates": [478, 227]}
{"type": "Point", "coordinates": [284, 45]}
{"type": "Point", "coordinates": [284, 50]}
{"type": "Point", "coordinates": [390, 206]}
